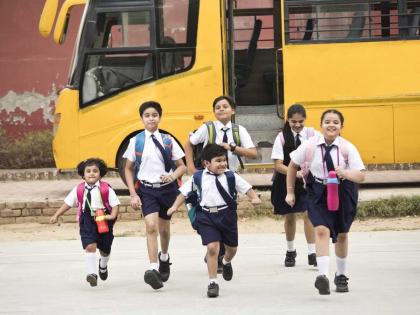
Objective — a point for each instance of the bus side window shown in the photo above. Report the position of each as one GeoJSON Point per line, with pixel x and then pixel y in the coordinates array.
{"type": "Point", "coordinates": [414, 22]}
{"type": "Point", "coordinates": [357, 25]}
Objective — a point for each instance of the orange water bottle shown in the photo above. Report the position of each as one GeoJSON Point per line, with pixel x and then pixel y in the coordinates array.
{"type": "Point", "coordinates": [101, 222]}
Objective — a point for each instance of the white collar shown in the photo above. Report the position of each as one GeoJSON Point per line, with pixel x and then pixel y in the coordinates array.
{"type": "Point", "coordinates": [149, 134]}
{"type": "Point", "coordinates": [94, 185]}
{"type": "Point", "coordinates": [218, 125]}
{"type": "Point", "coordinates": [321, 141]}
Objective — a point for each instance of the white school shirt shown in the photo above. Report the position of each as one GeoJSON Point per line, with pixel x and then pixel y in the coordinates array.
{"type": "Point", "coordinates": [210, 196]}
{"type": "Point", "coordinates": [201, 136]}
{"type": "Point", "coordinates": [152, 164]}
{"type": "Point", "coordinates": [317, 167]}
{"type": "Point", "coordinates": [278, 153]}
{"type": "Point", "coordinates": [96, 199]}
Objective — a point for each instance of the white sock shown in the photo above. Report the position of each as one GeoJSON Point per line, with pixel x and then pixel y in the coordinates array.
{"type": "Point", "coordinates": [341, 265]}
{"type": "Point", "coordinates": [213, 280]}
{"type": "Point", "coordinates": [311, 248]}
{"type": "Point", "coordinates": [164, 256]}
{"type": "Point", "coordinates": [153, 266]}
{"type": "Point", "coordinates": [103, 262]}
{"type": "Point", "coordinates": [290, 246]}
{"type": "Point", "coordinates": [224, 261]}
{"type": "Point", "coordinates": [323, 265]}
{"type": "Point", "coordinates": [90, 263]}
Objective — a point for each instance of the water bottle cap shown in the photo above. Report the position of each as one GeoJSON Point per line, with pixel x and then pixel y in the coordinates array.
{"type": "Point", "coordinates": [332, 174]}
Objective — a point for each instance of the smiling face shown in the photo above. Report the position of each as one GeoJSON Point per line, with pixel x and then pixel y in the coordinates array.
{"type": "Point", "coordinates": [223, 111]}
{"type": "Point", "coordinates": [331, 126]}
{"type": "Point", "coordinates": [217, 165]}
{"type": "Point", "coordinates": [91, 174]}
{"type": "Point", "coordinates": [296, 122]}
{"type": "Point", "coordinates": [151, 119]}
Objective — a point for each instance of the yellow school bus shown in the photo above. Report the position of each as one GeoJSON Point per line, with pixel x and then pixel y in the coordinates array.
{"type": "Point", "coordinates": [355, 56]}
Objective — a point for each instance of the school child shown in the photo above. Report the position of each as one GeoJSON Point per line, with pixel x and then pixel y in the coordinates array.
{"type": "Point", "coordinates": [321, 155]}
{"type": "Point", "coordinates": [293, 134]}
{"type": "Point", "coordinates": [216, 217]}
{"type": "Point", "coordinates": [154, 160]}
{"type": "Point", "coordinates": [90, 196]}
{"type": "Point", "coordinates": [225, 134]}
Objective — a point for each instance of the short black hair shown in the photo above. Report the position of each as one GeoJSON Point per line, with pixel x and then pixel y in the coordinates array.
{"type": "Point", "coordinates": [224, 97]}
{"type": "Point", "coordinates": [149, 104]}
{"type": "Point", "coordinates": [211, 151]}
{"type": "Point", "coordinates": [103, 169]}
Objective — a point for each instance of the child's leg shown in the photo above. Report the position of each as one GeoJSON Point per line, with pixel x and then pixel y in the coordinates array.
{"type": "Point", "coordinates": [151, 221]}
{"type": "Point", "coordinates": [322, 239]}
{"type": "Point", "coordinates": [310, 238]}
{"type": "Point", "coordinates": [103, 262]}
{"type": "Point", "coordinates": [165, 234]}
{"type": "Point", "coordinates": [230, 252]}
{"type": "Point", "coordinates": [341, 251]}
{"type": "Point", "coordinates": [91, 258]}
{"type": "Point", "coordinates": [290, 230]}
{"type": "Point", "coordinates": [212, 254]}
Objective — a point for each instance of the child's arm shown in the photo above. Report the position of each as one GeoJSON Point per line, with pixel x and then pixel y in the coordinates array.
{"type": "Point", "coordinates": [135, 201]}
{"type": "Point", "coordinates": [179, 171]}
{"type": "Point", "coordinates": [114, 214]}
{"type": "Point", "coordinates": [188, 147]}
{"type": "Point", "coordinates": [351, 175]}
{"type": "Point", "coordinates": [177, 203]}
{"type": "Point", "coordinates": [59, 212]}
{"type": "Point", "coordinates": [253, 196]}
{"type": "Point", "coordinates": [250, 153]}
{"type": "Point", "coordinates": [290, 183]}
{"type": "Point", "coordinates": [280, 167]}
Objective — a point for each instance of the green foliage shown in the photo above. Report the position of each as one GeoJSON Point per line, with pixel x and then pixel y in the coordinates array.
{"type": "Point", "coordinates": [398, 206]}
{"type": "Point", "coordinates": [31, 151]}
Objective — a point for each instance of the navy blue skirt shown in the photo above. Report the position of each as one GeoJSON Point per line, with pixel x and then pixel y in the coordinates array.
{"type": "Point", "coordinates": [278, 195]}
{"type": "Point", "coordinates": [336, 221]}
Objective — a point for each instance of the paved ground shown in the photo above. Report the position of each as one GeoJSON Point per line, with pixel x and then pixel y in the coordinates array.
{"type": "Point", "coordinates": [39, 190]}
{"type": "Point", "coordinates": [48, 278]}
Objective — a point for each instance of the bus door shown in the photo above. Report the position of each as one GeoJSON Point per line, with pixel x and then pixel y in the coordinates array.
{"type": "Point", "coordinates": [256, 56]}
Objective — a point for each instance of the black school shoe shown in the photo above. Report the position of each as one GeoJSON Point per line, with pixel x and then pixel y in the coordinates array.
{"type": "Point", "coordinates": [103, 272]}
{"type": "Point", "coordinates": [213, 290]}
{"type": "Point", "coordinates": [290, 260]}
{"type": "Point", "coordinates": [227, 271]}
{"type": "Point", "coordinates": [152, 278]}
{"type": "Point", "coordinates": [322, 284]}
{"type": "Point", "coordinates": [341, 283]}
{"type": "Point", "coordinates": [164, 268]}
{"type": "Point", "coordinates": [92, 279]}
{"type": "Point", "coordinates": [312, 260]}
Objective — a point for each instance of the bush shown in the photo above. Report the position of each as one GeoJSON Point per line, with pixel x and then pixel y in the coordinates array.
{"type": "Point", "coordinates": [31, 151]}
{"type": "Point", "coordinates": [398, 206]}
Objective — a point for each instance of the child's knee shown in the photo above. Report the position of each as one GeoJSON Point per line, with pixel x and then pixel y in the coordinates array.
{"type": "Point", "coordinates": [213, 249]}
{"type": "Point", "coordinates": [342, 238]}
{"type": "Point", "coordinates": [322, 232]}
{"type": "Point", "coordinates": [151, 229]}
{"type": "Point", "coordinates": [91, 248]}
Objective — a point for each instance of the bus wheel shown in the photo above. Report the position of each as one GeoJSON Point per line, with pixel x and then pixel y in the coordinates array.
{"type": "Point", "coordinates": [121, 161]}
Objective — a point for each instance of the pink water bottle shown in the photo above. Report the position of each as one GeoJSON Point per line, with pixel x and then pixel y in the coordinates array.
{"type": "Point", "coordinates": [332, 191]}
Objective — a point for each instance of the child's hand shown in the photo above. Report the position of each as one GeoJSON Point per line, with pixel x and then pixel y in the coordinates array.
{"type": "Point", "coordinates": [109, 217]}
{"type": "Point", "coordinates": [256, 201]}
{"type": "Point", "coordinates": [171, 211]}
{"type": "Point", "coordinates": [341, 173]}
{"type": "Point", "coordinates": [191, 170]}
{"type": "Point", "coordinates": [167, 178]}
{"type": "Point", "coordinates": [290, 199]}
{"type": "Point", "coordinates": [135, 202]}
{"type": "Point", "coordinates": [225, 146]}
{"type": "Point", "coordinates": [299, 174]}
{"type": "Point", "coordinates": [53, 219]}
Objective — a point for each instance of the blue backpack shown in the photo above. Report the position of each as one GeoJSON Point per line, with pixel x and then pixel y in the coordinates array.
{"type": "Point", "coordinates": [194, 197]}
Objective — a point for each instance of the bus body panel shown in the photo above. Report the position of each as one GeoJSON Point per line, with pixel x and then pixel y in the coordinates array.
{"type": "Point", "coordinates": [370, 83]}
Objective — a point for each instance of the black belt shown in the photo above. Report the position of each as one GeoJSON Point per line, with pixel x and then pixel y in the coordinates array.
{"type": "Point", "coordinates": [320, 180]}
{"type": "Point", "coordinates": [214, 209]}
{"type": "Point", "coordinates": [154, 185]}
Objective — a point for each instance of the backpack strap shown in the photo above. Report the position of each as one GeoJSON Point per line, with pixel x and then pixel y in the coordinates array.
{"type": "Point", "coordinates": [79, 193]}
{"type": "Point", "coordinates": [168, 145]}
{"type": "Point", "coordinates": [139, 148]}
{"type": "Point", "coordinates": [309, 155]}
{"type": "Point", "coordinates": [236, 135]}
{"type": "Point", "coordinates": [197, 182]}
{"type": "Point", "coordinates": [211, 132]}
{"type": "Point", "coordinates": [104, 190]}
{"type": "Point", "coordinates": [343, 145]}
{"type": "Point", "coordinates": [310, 132]}
{"type": "Point", "coordinates": [230, 176]}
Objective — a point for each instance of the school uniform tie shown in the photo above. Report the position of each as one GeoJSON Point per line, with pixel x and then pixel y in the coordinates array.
{"type": "Point", "coordinates": [297, 141]}
{"type": "Point", "coordinates": [166, 159]}
{"type": "Point", "coordinates": [226, 197]}
{"type": "Point", "coordinates": [327, 157]}
{"type": "Point", "coordinates": [225, 140]}
{"type": "Point", "coordinates": [88, 201]}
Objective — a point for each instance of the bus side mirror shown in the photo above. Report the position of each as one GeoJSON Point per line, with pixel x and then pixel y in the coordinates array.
{"type": "Point", "coordinates": [63, 20]}
{"type": "Point", "coordinates": [47, 17]}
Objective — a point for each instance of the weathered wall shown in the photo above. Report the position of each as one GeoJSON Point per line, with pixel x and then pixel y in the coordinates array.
{"type": "Point", "coordinates": [32, 68]}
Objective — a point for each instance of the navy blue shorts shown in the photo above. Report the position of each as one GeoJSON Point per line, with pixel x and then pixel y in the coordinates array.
{"type": "Point", "coordinates": [89, 233]}
{"type": "Point", "coordinates": [336, 221]}
{"type": "Point", "coordinates": [278, 196]}
{"type": "Point", "coordinates": [157, 199]}
{"type": "Point", "coordinates": [221, 226]}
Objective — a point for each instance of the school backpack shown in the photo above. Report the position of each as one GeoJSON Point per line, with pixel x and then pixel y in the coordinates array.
{"type": "Point", "coordinates": [193, 198]}
{"type": "Point", "coordinates": [343, 146]}
{"type": "Point", "coordinates": [211, 132]}
{"type": "Point", "coordinates": [104, 190]}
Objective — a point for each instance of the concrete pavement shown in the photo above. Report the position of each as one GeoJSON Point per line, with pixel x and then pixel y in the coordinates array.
{"type": "Point", "coordinates": [49, 278]}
